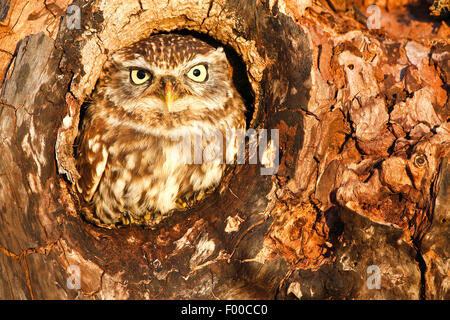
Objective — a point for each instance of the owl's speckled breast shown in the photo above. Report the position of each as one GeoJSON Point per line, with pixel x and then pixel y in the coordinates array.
{"type": "Point", "coordinates": [145, 181]}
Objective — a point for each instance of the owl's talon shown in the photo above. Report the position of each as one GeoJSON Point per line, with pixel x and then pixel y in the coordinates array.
{"type": "Point", "coordinates": [126, 220]}
{"type": "Point", "coordinates": [148, 216]}
{"type": "Point", "coordinates": [201, 195]}
{"type": "Point", "coordinates": [186, 202]}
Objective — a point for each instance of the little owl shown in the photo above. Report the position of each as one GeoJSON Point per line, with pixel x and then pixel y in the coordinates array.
{"type": "Point", "coordinates": [159, 88]}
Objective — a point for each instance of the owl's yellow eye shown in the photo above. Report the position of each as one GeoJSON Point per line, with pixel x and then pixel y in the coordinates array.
{"type": "Point", "coordinates": [139, 76]}
{"type": "Point", "coordinates": [198, 73]}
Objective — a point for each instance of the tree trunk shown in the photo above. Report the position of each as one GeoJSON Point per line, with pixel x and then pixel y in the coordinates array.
{"type": "Point", "coordinates": [358, 208]}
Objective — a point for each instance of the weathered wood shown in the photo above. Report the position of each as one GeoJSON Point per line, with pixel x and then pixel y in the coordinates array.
{"type": "Point", "coordinates": [434, 246]}
{"type": "Point", "coordinates": [363, 122]}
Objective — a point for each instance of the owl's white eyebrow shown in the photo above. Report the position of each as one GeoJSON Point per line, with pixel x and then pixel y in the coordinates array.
{"type": "Point", "coordinates": [199, 59]}
{"type": "Point", "coordinates": [139, 62]}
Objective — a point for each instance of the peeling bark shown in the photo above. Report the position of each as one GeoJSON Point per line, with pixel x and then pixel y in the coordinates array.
{"type": "Point", "coordinates": [364, 138]}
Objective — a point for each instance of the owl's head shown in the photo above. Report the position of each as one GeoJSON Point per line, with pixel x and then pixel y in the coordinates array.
{"type": "Point", "coordinates": [167, 73]}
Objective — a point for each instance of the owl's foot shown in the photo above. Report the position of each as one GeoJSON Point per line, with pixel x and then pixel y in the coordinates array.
{"type": "Point", "coordinates": [152, 218]}
{"type": "Point", "coordinates": [126, 219]}
{"type": "Point", "coordinates": [149, 218]}
{"type": "Point", "coordinates": [188, 201]}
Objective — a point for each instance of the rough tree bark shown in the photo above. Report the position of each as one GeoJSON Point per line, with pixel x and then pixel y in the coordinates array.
{"type": "Point", "coordinates": [363, 177]}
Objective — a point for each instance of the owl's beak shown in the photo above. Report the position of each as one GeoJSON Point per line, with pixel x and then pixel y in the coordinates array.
{"type": "Point", "coordinates": [169, 95]}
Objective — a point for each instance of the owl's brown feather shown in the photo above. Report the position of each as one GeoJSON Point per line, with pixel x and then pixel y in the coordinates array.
{"type": "Point", "coordinates": [92, 159]}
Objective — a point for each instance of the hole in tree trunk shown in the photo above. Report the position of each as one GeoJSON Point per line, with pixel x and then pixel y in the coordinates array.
{"type": "Point", "coordinates": [271, 60]}
{"type": "Point", "coordinates": [92, 161]}
{"type": "Point", "coordinates": [271, 102]}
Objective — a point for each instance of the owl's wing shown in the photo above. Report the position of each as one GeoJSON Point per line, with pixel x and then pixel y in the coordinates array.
{"type": "Point", "coordinates": [91, 165]}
